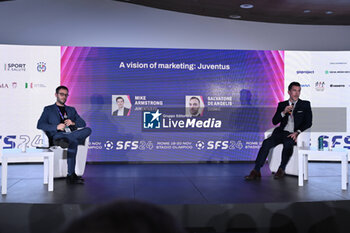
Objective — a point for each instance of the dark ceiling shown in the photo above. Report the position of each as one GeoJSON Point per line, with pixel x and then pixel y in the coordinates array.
{"type": "Point", "coordinates": [313, 12]}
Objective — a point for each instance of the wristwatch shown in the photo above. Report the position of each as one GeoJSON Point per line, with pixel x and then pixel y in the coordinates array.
{"type": "Point", "coordinates": [299, 131]}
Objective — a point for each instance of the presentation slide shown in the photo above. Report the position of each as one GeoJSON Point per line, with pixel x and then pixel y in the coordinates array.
{"type": "Point", "coordinates": [173, 104]}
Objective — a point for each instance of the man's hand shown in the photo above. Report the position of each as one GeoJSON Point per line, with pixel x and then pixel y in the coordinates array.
{"type": "Point", "coordinates": [288, 109]}
{"type": "Point", "coordinates": [69, 122]}
{"type": "Point", "coordinates": [294, 136]}
{"type": "Point", "coordinates": [61, 127]}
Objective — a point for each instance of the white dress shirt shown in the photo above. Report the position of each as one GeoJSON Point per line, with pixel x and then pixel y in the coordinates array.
{"type": "Point", "coordinates": [121, 111]}
{"type": "Point", "coordinates": [290, 124]}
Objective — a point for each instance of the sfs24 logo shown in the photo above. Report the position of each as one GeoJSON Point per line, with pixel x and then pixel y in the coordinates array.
{"type": "Point", "coordinates": [219, 145]}
{"type": "Point", "coordinates": [11, 141]}
{"type": "Point", "coordinates": [336, 140]}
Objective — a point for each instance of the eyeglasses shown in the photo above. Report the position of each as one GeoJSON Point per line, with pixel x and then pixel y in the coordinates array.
{"type": "Point", "coordinates": [62, 94]}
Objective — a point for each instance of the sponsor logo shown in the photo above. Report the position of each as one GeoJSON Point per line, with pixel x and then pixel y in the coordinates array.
{"type": "Point", "coordinates": [15, 67]}
{"type": "Point", "coordinates": [337, 71]}
{"type": "Point", "coordinates": [305, 85]}
{"type": "Point", "coordinates": [152, 120]}
{"type": "Point", "coordinates": [337, 85]}
{"type": "Point", "coordinates": [41, 67]}
{"type": "Point", "coordinates": [338, 63]}
{"type": "Point", "coordinates": [34, 85]}
{"type": "Point", "coordinates": [319, 86]}
{"type": "Point", "coordinates": [4, 85]}
{"type": "Point", "coordinates": [305, 71]}
{"type": "Point", "coordinates": [191, 123]}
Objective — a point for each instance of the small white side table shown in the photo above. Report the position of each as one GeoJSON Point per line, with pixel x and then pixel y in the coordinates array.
{"type": "Point", "coordinates": [15, 155]}
{"type": "Point", "coordinates": [324, 155]}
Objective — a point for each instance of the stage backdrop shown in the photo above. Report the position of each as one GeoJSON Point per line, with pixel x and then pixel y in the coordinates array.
{"type": "Point", "coordinates": [170, 104]}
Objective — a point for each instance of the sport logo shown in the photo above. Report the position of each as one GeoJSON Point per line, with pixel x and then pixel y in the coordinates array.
{"type": "Point", "coordinates": [108, 145]}
{"type": "Point", "coordinates": [152, 120]}
{"type": "Point", "coordinates": [41, 67]}
{"type": "Point", "coordinates": [15, 67]}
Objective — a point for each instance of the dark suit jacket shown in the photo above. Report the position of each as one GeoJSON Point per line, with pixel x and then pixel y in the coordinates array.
{"type": "Point", "coordinates": [50, 118]}
{"type": "Point", "coordinates": [302, 115]}
{"type": "Point", "coordinates": [126, 111]}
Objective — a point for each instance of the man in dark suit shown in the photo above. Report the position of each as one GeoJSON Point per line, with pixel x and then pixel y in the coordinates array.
{"type": "Point", "coordinates": [60, 123]}
{"type": "Point", "coordinates": [294, 116]}
{"type": "Point", "coordinates": [121, 111]}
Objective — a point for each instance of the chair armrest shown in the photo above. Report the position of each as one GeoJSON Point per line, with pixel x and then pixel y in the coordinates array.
{"type": "Point", "coordinates": [87, 141]}
{"type": "Point", "coordinates": [45, 142]}
{"type": "Point", "coordinates": [303, 140]}
{"type": "Point", "coordinates": [268, 132]}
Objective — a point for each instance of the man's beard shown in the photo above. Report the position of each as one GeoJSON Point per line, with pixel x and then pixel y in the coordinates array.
{"type": "Point", "coordinates": [61, 102]}
{"type": "Point", "coordinates": [194, 112]}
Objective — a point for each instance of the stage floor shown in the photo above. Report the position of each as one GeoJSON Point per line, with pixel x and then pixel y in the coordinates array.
{"type": "Point", "coordinates": [168, 184]}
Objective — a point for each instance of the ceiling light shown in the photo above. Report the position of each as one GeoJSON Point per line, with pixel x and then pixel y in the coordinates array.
{"type": "Point", "coordinates": [329, 12]}
{"type": "Point", "coordinates": [246, 6]}
{"type": "Point", "coordinates": [307, 11]}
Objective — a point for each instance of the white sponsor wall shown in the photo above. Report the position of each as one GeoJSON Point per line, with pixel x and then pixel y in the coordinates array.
{"type": "Point", "coordinates": [325, 81]}
{"type": "Point", "coordinates": [28, 78]}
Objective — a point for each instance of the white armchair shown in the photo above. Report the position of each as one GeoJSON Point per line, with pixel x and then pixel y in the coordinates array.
{"type": "Point", "coordinates": [275, 154]}
{"type": "Point", "coordinates": [60, 158]}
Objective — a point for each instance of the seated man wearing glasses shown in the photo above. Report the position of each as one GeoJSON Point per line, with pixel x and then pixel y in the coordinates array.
{"type": "Point", "coordinates": [60, 123]}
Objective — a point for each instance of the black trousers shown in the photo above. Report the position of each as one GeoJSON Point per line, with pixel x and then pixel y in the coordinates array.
{"type": "Point", "coordinates": [74, 138]}
{"type": "Point", "coordinates": [278, 137]}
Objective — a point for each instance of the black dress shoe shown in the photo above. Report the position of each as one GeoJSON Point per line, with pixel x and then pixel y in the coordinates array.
{"type": "Point", "coordinates": [76, 177]}
{"type": "Point", "coordinates": [279, 174]}
{"type": "Point", "coordinates": [254, 175]}
{"type": "Point", "coordinates": [72, 180]}
{"type": "Point", "coordinates": [62, 142]}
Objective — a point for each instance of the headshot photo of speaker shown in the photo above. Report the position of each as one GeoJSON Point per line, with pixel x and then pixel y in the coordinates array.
{"type": "Point", "coordinates": [121, 105]}
{"type": "Point", "coordinates": [194, 105]}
